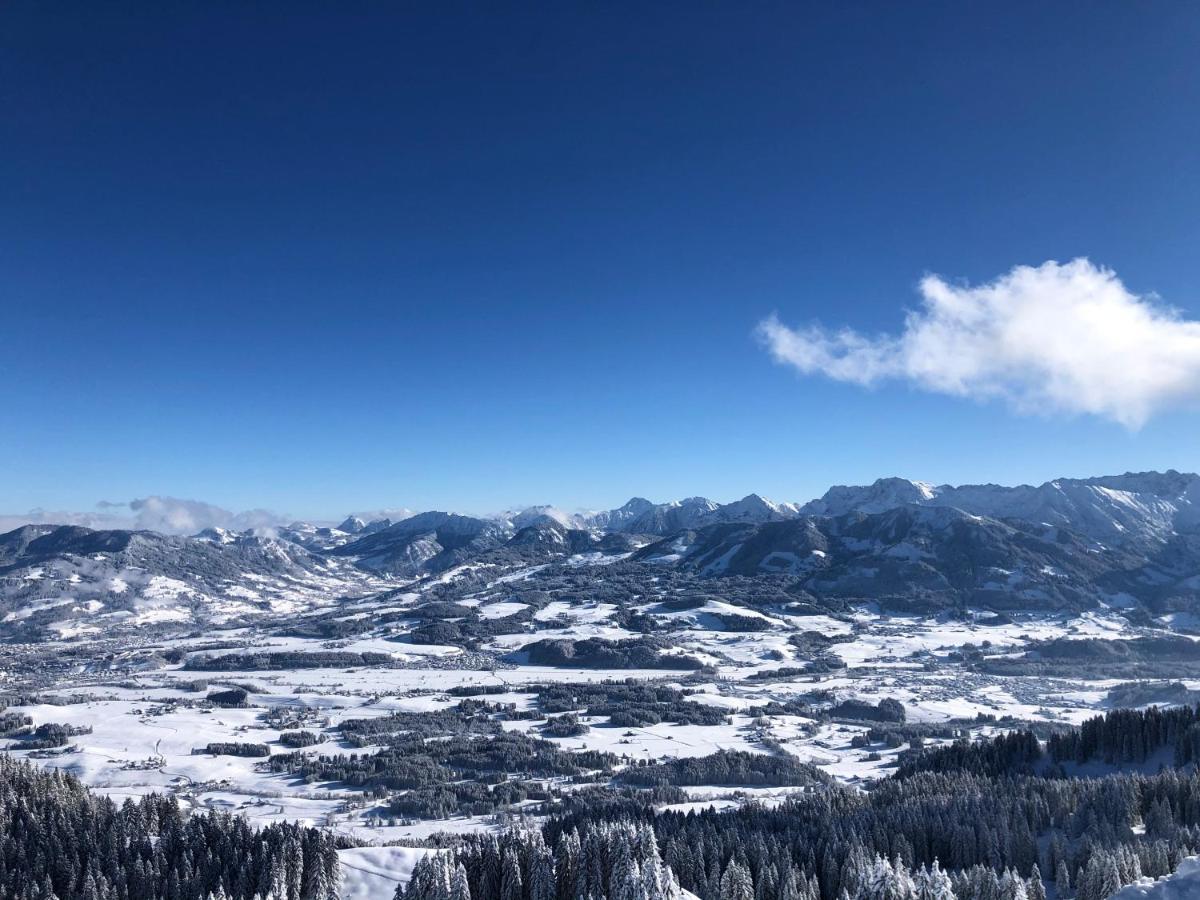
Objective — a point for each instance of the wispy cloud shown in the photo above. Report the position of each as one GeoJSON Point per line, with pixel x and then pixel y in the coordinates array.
{"type": "Point", "coordinates": [169, 515]}
{"type": "Point", "coordinates": [39, 516]}
{"type": "Point", "coordinates": [1047, 339]}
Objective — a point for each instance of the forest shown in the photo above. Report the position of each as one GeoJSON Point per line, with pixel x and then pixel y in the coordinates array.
{"type": "Point", "coordinates": [60, 842]}
{"type": "Point", "coordinates": [970, 821]}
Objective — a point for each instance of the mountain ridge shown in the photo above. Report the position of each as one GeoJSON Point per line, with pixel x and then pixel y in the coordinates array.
{"type": "Point", "coordinates": [1129, 541]}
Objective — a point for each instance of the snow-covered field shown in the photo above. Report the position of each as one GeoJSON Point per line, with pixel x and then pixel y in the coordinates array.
{"type": "Point", "coordinates": [146, 718]}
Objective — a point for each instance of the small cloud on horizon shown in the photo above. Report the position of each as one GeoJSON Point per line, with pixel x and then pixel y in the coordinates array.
{"type": "Point", "coordinates": [1055, 338]}
{"type": "Point", "coordinates": [169, 515]}
{"type": "Point", "coordinates": [40, 516]}
{"type": "Point", "coordinates": [173, 515]}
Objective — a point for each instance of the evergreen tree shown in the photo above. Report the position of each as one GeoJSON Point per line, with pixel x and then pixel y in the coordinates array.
{"type": "Point", "coordinates": [1034, 888]}
{"type": "Point", "coordinates": [1012, 886]}
{"type": "Point", "coordinates": [460, 887]}
{"type": "Point", "coordinates": [736, 883]}
{"type": "Point", "coordinates": [933, 884]}
{"type": "Point", "coordinates": [511, 886]}
{"type": "Point", "coordinates": [1062, 880]}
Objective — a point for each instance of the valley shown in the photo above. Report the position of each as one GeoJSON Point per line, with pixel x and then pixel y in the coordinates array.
{"type": "Point", "coordinates": [442, 674]}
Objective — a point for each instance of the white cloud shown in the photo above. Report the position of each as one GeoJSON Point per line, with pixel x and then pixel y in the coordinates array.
{"type": "Point", "coordinates": [172, 515]}
{"type": "Point", "coordinates": [1047, 339]}
{"type": "Point", "coordinates": [39, 516]}
{"type": "Point", "coordinates": [169, 515]}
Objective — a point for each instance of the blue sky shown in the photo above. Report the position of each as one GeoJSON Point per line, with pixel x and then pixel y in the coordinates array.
{"type": "Point", "coordinates": [318, 259]}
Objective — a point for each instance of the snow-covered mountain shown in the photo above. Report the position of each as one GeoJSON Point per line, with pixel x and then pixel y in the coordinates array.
{"type": "Point", "coordinates": [1120, 509]}
{"type": "Point", "coordinates": [1129, 541]}
{"type": "Point", "coordinates": [618, 519]}
{"type": "Point", "coordinates": [640, 516]}
{"type": "Point", "coordinates": [87, 581]}
{"type": "Point", "coordinates": [429, 541]}
{"type": "Point", "coordinates": [885, 493]}
{"type": "Point", "coordinates": [932, 557]}
{"type": "Point", "coordinates": [694, 512]}
{"type": "Point", "coordinates": [535, 515]}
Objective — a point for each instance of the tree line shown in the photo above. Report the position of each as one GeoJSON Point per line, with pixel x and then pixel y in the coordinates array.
{"type": "Point", "coordinates": [60, 842]}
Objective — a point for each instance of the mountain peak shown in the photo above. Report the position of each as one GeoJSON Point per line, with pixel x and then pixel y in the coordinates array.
{"type": "Point", "coordinates": [880, 495]}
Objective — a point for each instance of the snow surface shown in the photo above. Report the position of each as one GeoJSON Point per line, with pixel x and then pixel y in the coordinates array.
{"type": "Point", "coordinates": [1183, 884]}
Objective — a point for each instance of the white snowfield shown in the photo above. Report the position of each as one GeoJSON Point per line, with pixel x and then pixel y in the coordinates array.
{"type": "Point", "coordinates": [373, 873]}
{"type": "Point", "coordinates": [145, 724]}
{"type": "Point", "coordinates": [1183, 884]}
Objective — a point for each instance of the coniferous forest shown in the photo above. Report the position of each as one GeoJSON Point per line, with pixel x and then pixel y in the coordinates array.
{"type": "Point", "coordinates": [969, 821]}
{"type": "Point", "coordinates": [60, 842]}
{"type": "Point", "coordinates": [1001, 819]}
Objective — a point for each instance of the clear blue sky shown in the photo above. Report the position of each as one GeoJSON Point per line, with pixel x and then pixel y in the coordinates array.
{"type": "Point", "coordinates": [317, 257]}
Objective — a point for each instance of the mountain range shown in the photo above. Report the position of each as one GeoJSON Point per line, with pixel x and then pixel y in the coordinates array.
{"type": "Point", "coordinates": [1131, 541]}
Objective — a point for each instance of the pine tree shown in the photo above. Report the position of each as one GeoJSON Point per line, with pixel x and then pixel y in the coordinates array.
{"type": "Point", "coordinates": [736, 883]}
{"type": "Point", "coordinates": [566, 866]}
{"type": "Point", "coordinates": [1034, 888]}
{"type": "Point", "coordinates": [1110, 878]}
{"type": "Point", "coordinates": [541, 873]}
{"type": "Point", "coordinates": [510, 876]}
{"type": "Point", "coordinates": [460, 887]}
{"type": "Point", "coordinates": [626, 879]}
{"type": "Point", "coordinates": [790, 885]}
{"type": "Point", "coordinates": [933, 884]}
{"type": "Point", "coordinates": [1012, 886]}
{"type": "Point", "coordinates": [1062, 880]}
{"type": "Point", "coordinates": [886, 881]}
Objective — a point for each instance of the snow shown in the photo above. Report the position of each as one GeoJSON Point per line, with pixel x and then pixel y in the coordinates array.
{"type": "Point", "coordinates": [1183, 884]}
{"type": "Point", "coordinates": [144, 731]}
{"type": "Point", "coordinates": [501, 610]}
{"type": "Point", "coordinates": [372, 873]}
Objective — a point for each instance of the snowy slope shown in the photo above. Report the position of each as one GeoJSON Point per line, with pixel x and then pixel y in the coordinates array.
{"type": "Point", "coordinates": [1184, 884]}
{"type": "Point", "coordinates": [373, 873]}
{"type": "Point", "coordinates": [1143, 507]}
{"type": "Point", "coordinates": [70, 580]}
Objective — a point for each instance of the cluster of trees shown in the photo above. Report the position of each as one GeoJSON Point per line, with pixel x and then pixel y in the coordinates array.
{"type": "Point", "coordinates": [736, 622]}
{"type": "Point", "coordinates": [53, 734]}
{"type": "Point", "coordinates": [1160, 656]}
{"type": "Point", "coordinates": [1131, 736]}
{"type": "Point", "coordinates": [59, 842]}
{"type": "Point", "coordinates": [887, 710]}
{"type": "Point", "coordinates": [302, 738]}
{"type": "Point", "coordinates": [1143, 693]}
{"type": "Point", "coordinates": [1012, 753]}
{"type": "Point", "coordinates": [728, 767]}
{"type": "Point", "coordinates": [470, 632]}
{"type": "Point", "coordinates": [14, 724]}
{"type": "Point", "coordinates": [233, 697]}
{"type": "Point", "coordinates": [466, 717]}
{"type": "Point", "coordinates": [615, 861]}
{"type": "Point", "coordinates": [412, 763]}
{"type": "Point", "coordinates": [287, 659]}
{"type": "Point", "coordinates": [629, 704]}
{"type": "Point", "coordinates": [565, 726]}
{"type": "Point", "coordinates": [1118, 738]}
{"type": "Point", "coordinates": [464, 798]}
{"type": "Point", "coordinates": [233, 748]}
{"type": "Point", "coordinates": [597, 653]}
